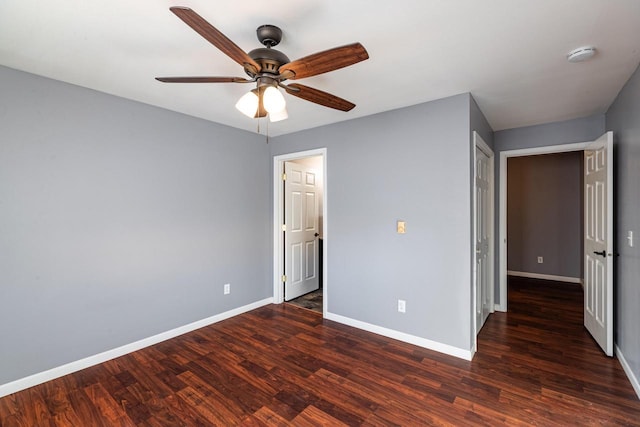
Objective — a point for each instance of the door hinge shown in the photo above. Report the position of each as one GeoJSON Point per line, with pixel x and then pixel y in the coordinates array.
{"type": "Point", "coordinates": [284, 278]}
{"type": "Point", "coordinates": [284, 176]}
{"type": "Point", "coordinates": [284, 227]}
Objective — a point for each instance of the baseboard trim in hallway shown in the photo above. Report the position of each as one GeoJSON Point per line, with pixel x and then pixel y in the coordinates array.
{"type": "Point", "coordinates": [627, 370]}
{"type": "Point", "coordinates": [550, 277]}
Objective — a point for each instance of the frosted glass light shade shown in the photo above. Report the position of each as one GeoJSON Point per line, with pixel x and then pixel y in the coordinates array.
{"type": "Point", "coordinates": [279, 115]}
{"type": "Point", "coordinates": [273, 100]}
{"type": "Point", "coordinates": [248, 104]}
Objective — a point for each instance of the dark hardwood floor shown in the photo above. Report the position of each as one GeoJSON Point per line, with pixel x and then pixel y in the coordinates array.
{"type": "Point", "coordinates": [282, 365]}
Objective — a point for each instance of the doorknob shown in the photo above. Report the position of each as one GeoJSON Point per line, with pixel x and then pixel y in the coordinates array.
{"type": "Point", "coordinates": [601, 253]}
{"type": "Point", "coordinates": [316, 234]}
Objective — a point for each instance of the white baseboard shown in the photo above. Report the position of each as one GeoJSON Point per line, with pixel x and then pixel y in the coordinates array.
{"type": "Point", "coordinates": [545, 276]}
{"type": "Point", "coordinates": [627, 370]}
{"type": "Point", "coordinates": [401, 336]}
{"type": "Point", "coordinates": [41, 377]}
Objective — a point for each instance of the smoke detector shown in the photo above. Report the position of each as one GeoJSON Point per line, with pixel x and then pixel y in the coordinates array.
{"type": "Point", "coordinates": [581, 54]}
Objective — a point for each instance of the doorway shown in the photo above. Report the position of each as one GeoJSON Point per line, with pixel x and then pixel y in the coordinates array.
{"type": "Point", "coordinates": [300, 228]}
{"type": "Point", "coordinates": [598, 226]}
{"type": "Point", "coordinates": [504, 156]}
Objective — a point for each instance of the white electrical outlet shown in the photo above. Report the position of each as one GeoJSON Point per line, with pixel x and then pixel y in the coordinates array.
{"type": "Point", "coordinates": [540, 260]}
{"type": "Point", "coordinates": [227, 288]}
{"type": "Point", "coordinates": [630, 238]}
{"type": "Point", "coordinates": [402, 306]}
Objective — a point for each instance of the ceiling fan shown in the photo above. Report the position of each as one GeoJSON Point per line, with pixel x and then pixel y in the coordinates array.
{"type": "Point", "coordinates": [269, 68]}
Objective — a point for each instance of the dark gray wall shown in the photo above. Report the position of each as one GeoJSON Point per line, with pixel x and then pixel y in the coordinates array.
{"type": "Point", "coordinates": [566, 132]}
{"type": "Point", "coordinates": [623, 118]}
{"type": "Point", "coordinates": [119, 221]}
{"type": "Point", "coordinates": [544, 214]}
{"type": "Point", "coordinates": [411, 164]}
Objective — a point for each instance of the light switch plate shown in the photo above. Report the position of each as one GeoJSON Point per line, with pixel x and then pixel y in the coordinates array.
{"type": "Point", "coordinates": [401, 227]}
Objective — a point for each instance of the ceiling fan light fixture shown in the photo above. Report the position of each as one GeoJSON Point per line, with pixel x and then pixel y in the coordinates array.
{"type": "Point", "coordinates": [279, 115]}
{"type": "Point", "coordinates": [273, 100]}
{"type": "Point", "coordinates": [248, 104]}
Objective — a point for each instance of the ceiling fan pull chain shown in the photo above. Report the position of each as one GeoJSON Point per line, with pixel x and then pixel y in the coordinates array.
{"type": "Point", "coordinates": [268, 130]}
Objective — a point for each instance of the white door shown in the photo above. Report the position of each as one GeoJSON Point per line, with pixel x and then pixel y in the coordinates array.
{"type": "Point", "coordinates": [301, 231]}
{"type": "Point", "coordinates": [483, 267]}
{"type": "Point", "coordinates": [598, 241]}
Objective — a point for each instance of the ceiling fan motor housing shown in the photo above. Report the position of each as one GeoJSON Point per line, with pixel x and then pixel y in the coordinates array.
{"type": "Point", "coordinates": [269, 59]}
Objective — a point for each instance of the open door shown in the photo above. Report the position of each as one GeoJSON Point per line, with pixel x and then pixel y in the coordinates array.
{"type": "Point", "coordinates": [598, 241]}
{"type": "Point", "coordinates": [301, 231]}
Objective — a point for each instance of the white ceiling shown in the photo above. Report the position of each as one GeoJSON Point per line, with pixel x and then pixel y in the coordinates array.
{"type": "Point", "coordinates": [510, 54]}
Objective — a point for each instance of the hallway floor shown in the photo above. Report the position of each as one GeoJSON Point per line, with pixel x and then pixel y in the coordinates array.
{"type": "Point", "coordinates": [311, 301]}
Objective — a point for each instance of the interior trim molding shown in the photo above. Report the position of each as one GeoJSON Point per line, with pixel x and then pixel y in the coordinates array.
{"type": "Point", "coordinates": [545, 276]}
{"type": "Point", "coordinates": [401, 336]}
{"type": "Point", "coordinates": [57, 372]}
{"type": "Point", "coordinates": [627, 370]}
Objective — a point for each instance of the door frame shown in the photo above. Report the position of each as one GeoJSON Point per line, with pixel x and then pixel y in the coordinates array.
{"type": "Point", "coordinates": [278, 214]}
{"type": "Point", "coordinates": [502, 200]}
{"type": "Point", "coordinates": [479, 143]}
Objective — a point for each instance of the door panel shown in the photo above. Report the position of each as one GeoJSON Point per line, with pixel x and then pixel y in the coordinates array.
{"type": "Point", "coordinates": [598, 241]}
{"type": "Point", "coordinates": [483, 216]}
{"type": "Point", "coordinates": [301, 231]}
{"type": "Point", "coordinates": [481, 235]}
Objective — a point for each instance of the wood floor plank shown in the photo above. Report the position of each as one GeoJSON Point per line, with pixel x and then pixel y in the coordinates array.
{"type": "Point", "coordinates": [313, 417]}
{"type": "Point", "coordinates": [266, 417]}
{"type": "Point", "coordinates": [34, 407]}
{"type": "Point", "coordinates": [282, 365]}
{"type": "Point", "coordinates": [105, 404]}
{"type": "Point", "coordinates": [205, 405]}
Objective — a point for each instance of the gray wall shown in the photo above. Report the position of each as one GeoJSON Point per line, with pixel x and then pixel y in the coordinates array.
{"type": "Point", "coordinates": [544, 214]}
{"type": "Point", "coordinates": [410, 164]}
{"type": "Point", "coordinates": [118, 222]}
{"type": "Point", "coordinates": [479, 123]}
{"type": "Point", "coordinates": [557, 133]}
{"type": "Point", "coordinates": [623, 118]}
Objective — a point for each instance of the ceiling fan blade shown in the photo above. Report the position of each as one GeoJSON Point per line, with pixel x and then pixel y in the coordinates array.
{"type": "Point", "coordinates": [215, 37]}
{"type": "Point", "coordinates": [203, 80]}
{"type": "Point", "coordinates": [318, 97]}
{"type": "Point", "coordinates": [323, 62]}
